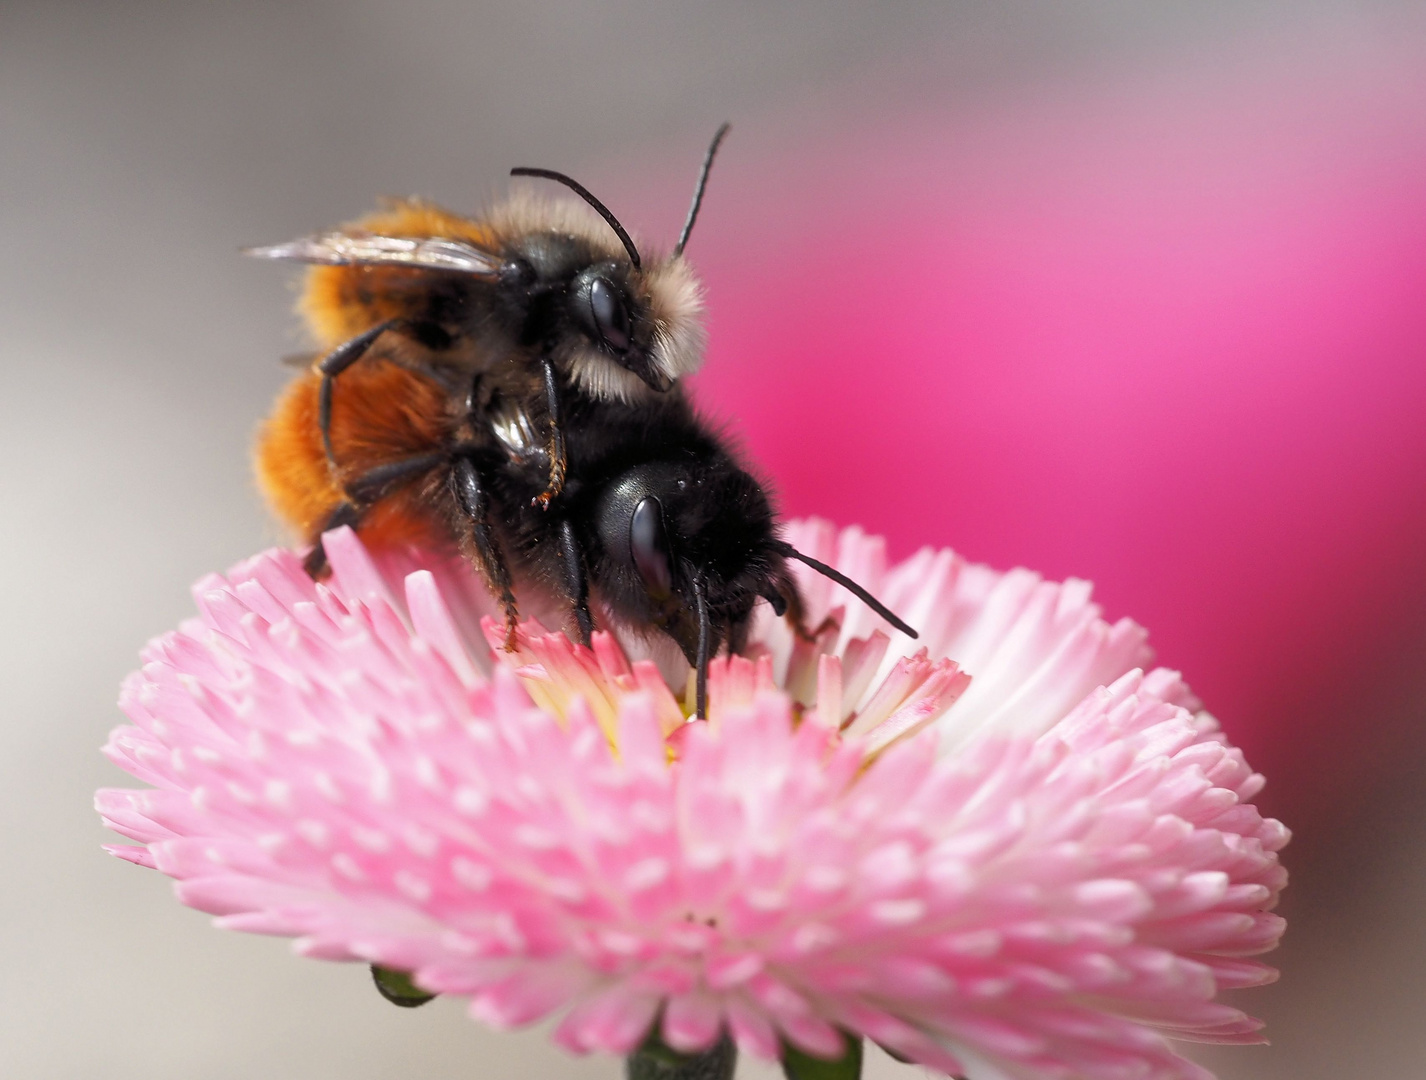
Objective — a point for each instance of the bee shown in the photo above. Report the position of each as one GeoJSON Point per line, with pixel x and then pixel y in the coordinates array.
{"type": "Point", "coordinates": [662, 522]}
{"type": "Point", "coordinates": [532, 307]}
{"type": "Point", "coordinates": [512, 385]}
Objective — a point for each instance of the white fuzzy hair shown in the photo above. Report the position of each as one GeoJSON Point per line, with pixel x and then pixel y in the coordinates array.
{"type": "Point", "coordinates": [673, 294]}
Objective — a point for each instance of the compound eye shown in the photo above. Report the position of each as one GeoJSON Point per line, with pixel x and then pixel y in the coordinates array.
{"type": "Point", "coordinates": [648, 544]}
{"type": "Point", "coordinates": [610, 317]}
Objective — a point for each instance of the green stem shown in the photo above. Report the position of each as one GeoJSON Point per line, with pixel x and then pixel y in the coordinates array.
{"type": "Point", "coordinates": [799, 1066]}
{"type": "Point", "coordinates": [397, 987]}
{"type": "Point", "coordinates": [654, 1061]}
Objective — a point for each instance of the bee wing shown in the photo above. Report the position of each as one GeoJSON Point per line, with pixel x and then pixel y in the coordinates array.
{"type": "Point", "coordinates": [372, 249]}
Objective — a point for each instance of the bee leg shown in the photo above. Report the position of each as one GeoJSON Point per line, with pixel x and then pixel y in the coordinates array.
{"type": "Point", "coordinates": [349, 352]}
{"type": "Point", "coordinates": [315, 563]}
{"type": "Point", "coordinates": [332, 365]}
{"type": "Point", "coordinates": [381, 481]}
{"type": "Point", "coordinates": [775, 600]}
{"type": "Point", "coordinates": [474, 503]}
{"type": "Point", "coordinates": [576, 586]}
{"type": "Point", "coordinates": [361, 494]}
{"type": "Point", "coordinates": [700, 686]}
{"type": "Point", "coordinates": [737, 636]}
{"type": "Point", "coordinates": [558, 457]}
{"type": "Point", "coordinates": [800, 629]}
{"type": "Point", "coordinates": [796, 613]}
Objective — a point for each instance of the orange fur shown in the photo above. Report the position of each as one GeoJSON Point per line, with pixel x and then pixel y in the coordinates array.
{"type": "Point", "coordinates": [381, 413]}
{"type": "Point", "coordinates": [339, 302]}
{"type": "Point", "coordinates": [291, 465]}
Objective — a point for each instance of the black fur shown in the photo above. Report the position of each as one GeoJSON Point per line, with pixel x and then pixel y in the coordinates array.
{"type": "Point", "coordinates": [720, 524]}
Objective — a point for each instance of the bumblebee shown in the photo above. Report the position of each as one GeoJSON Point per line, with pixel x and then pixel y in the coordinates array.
{"type": "Point", "coordinates": [536, 305]}
{"type": "Point", "coordinates": [512, 385]}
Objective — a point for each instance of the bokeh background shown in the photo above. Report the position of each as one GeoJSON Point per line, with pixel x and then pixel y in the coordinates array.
{"type": "Point", "coordinates": [1134, 292]}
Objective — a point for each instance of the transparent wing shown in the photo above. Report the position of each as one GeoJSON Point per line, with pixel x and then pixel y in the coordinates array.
{"type": "Point", "coordinates": [372, 249]}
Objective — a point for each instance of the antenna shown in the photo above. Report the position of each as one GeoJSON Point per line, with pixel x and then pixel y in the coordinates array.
{"type": "Point", "coordinates": [847, 583]}
{"type": "Point", "coordinates": [585, 194]}
{"type": "Point", "coordinates": [698, 190]}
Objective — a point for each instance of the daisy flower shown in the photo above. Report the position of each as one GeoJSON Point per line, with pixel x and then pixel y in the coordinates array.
{"type": "Point", "coordinates": [1001, 851]}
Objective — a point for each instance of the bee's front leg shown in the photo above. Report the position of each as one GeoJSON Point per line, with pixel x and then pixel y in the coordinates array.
{"type": "Point", "coordinates": [558, 456]}
{"type": "Point", "coordinates": [576, 584]}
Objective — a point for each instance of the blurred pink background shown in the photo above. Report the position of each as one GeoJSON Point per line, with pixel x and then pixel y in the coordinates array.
{"type": "Point", "coordinates": [1168, 335]}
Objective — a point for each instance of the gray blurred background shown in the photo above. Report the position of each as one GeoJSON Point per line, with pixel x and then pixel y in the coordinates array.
{"type": "Point", "coordinates": [141, 144]}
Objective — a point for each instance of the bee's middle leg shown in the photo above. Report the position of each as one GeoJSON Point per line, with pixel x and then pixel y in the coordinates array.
{"type": "Point", "coordinates": [474, 503]}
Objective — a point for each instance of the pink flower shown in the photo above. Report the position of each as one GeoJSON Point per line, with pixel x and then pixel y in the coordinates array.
{"type": "Point", "coordinates": [1044, 865]}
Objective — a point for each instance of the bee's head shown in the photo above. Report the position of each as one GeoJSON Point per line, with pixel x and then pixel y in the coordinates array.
{"type": "Point", "coordinates": [619, 323]}
{"type": "Point", "coordinates": [688, 548]}
{"type": "Point", "coordinates": [619, 330]}
{"type": "Point", "coordinates": [647, 320]}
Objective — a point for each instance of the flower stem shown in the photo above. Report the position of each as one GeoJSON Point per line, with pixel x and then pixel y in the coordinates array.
{"type": "Point", "coordinates": [799, 1066]}
{"type": "Point", "coordinates": [655, 1061]}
